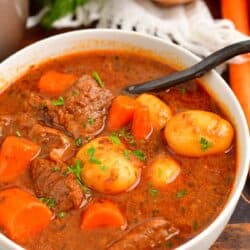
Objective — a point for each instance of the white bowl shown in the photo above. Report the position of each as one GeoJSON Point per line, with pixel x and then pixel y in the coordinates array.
{"type": "Point", "coordinates": [175, 56]}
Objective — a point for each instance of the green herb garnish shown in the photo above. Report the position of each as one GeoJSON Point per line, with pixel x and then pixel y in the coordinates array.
{"type": "Point", "coordinates": [18, 133]}
{"type": "Point", "coordinates": [50, 202]}
{"type": "Point", "coordinates": [61, 215]}
{"type": "Point", "coordinates": [103, 168]}
{"type": "Point", "coordinates": [58, 102]}
{"type": "Point", "coordinates": [91, 121]}
{"type": "Point", "coordinates": [205, 144]}
{"type": "Point", "coordinates": [98, 79]}
{"type": "Point", "coordinates": [76, 170]}
{"type": "Point", "coordinates": [195, 225]}
{"type": "Point", "coordinates": [55, 169]}
{"type": "Point", "coordinates": [126, 135]}
{"type": "Point", "coordinates": [181, 193]}
{"type": "Point", "coordinates": [92, 159]}
{"type": "Point", "coordinates": [91, 152]}
{"type": "Point", "coordinates": [153, 191]}
{"type": "Point", "coordinates": [183, 90]}
{"type": "Point", "coordinates": [127, 153]}
{"type": "Point", "coordinates": [115, 139]}
{"type": "Point", "coordinates": [78, 142]}
{"type": "Point", "coordinates": [139, 154]}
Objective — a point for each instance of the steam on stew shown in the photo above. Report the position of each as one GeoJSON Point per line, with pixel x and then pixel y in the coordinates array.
{"type": "Point", "coordinates": [83, 166]}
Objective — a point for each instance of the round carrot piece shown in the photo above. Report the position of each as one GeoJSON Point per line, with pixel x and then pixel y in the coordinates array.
{"type": "Point", "coordinates": [15, 155]}
{"type": "Point", "coordinates": [103, 214]}
{"type": "Point", "coordinates": [54, 83]}
{"type": "Point", "coordinates": [121, 112]}
{"type": "Point", "coordinates": [21, 214]}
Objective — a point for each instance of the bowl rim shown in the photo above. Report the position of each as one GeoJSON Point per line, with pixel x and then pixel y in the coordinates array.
{"type": "Point", "coordinates": [236, 191]}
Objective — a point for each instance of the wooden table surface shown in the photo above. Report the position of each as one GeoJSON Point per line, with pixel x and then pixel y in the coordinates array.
{"type": "Point", "coordinates": [236, 236]}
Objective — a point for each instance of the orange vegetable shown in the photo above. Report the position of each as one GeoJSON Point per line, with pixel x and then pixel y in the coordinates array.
{"type": "Point", "coordinates": [238, 13]}
{"type": "Point", "coordinates": [121, 112]}
{"type": "Point", "coordinates": [15, 155]}
{"type": "Point", "coordinates": [142, 124]}
{"type": "Point", "coordinates": [21, 214]}
{"type": "Point", "coordinates": [54, 83]}
{"type": "Point", "coordinates": [103, 214]}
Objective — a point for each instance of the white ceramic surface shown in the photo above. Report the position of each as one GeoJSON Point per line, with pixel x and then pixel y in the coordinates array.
{"type": "Point", "coordinates": [178, 58]}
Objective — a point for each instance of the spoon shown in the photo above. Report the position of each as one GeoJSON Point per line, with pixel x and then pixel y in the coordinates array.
{"type": "Point", "coordinates": [195, 71]}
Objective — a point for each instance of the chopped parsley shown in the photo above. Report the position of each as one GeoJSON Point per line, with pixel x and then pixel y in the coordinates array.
{"type": "Point", "coordinates": [98, 79]}
{"type": "Point", "coordinates": [50, 202]}
{"type": "Point", "coordinates": [55, 169]}
{"type": "Point", "coordinates": [95, 161]}
{"type": "Point", "coordinates": [76, 170]}
{"type": "Point", "coordinates": [91, 151]}
{"type": "Point", "coordinates": [127, 153]}
{"type": "Point", "coordinates": [18, 133]}
{"type": "Point", "coordinates": [181, 193]}
{"type": "Point", "coordinates": [153, 191]}
{"type": "Point", "coordinates": [195, 226]}
{"type": "Point", "coordinates": [115, 139]}
{"type": "Point", "coordinates": [74, 93]}
{"type": "Point", "coordinates": [92, 159]}
{"type": "Point", "coordinates": [58, 102]}
{"type": "Point", "coordinates": [139, 154]}
{"type": "Point", "coordinates": [61, 215]}
{"type": "Point", "coordinates": [126, 135]}
{"type": "Point", "coordinates": [205, 144]}
{"type": "Point", "coordinates": [78, 142]}
{"type": "Point", "coordinates": [103, 168]}
{"type": "Point", "coordinates": [91, 121]}
{"type": "Point", "coordinates": [183, 90]}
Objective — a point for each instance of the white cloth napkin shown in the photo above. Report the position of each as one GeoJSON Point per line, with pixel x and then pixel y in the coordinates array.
{"type": "Point", "coordinates": [190, 25]}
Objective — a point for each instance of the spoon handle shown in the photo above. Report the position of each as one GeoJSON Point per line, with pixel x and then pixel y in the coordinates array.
{"type": "Point", "coordinates": [194, 71]}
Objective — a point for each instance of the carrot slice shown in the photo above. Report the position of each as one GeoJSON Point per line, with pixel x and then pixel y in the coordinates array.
{"type": "Point", "coordinates": [121, 112]}
{"type": "Point", "coordinates": [103, 214]}
{"type": "Point", "coordinates": [15, 155]}
{"type": "Point", "coordinates": [54, 83]}
{"type": "Point", "coordinates": [21, 214]}
{"type": "Point", "coordinates": [238, 13]}
{"type": "Point", "coordinates": [142, 124]}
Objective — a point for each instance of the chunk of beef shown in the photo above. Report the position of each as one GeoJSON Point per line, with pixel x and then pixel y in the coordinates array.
{"type": "Point", "coordinates": [83, 112]}
{"type": "Point", "coordinates": [50, 181]}
{"type": "Point", "coordinates": [10, 124]}
{"type": "Point", "coordinates": [54, 143]}
{"type": "Point", "coordinates": [146, 235]}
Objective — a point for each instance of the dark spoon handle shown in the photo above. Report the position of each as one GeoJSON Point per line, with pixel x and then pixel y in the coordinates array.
{"type": "Point", "coordinates": [194, 71]}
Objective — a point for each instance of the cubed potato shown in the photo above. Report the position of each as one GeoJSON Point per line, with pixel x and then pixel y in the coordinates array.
{"type": "Point", "coordinates": [198, 133]}
{"type": "Point", "coordinates": [160, 112]}
{"type": "Point", "coordinates": [105, 167]}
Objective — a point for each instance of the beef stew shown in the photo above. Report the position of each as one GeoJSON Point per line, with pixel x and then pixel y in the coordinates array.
{"type": "Point", "coordinates": [104, 170]}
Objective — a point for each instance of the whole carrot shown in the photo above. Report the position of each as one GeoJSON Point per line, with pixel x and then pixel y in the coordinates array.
{"type": "Point", "coordinates": [238, 13]}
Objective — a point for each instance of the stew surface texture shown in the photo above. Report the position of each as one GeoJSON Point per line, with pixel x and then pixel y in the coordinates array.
{"type": "Point", "coordinates": [83, 165]}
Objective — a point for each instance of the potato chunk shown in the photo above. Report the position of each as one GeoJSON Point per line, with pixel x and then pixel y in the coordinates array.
{"type": "Point", "coordinates": [160, 112]}
{"type": "Point", "coordinates": [106, 169]}
{"type": "Point", "coordinates": [163, 171]}
{"type": "Point", "coordinates": [197, 133]}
